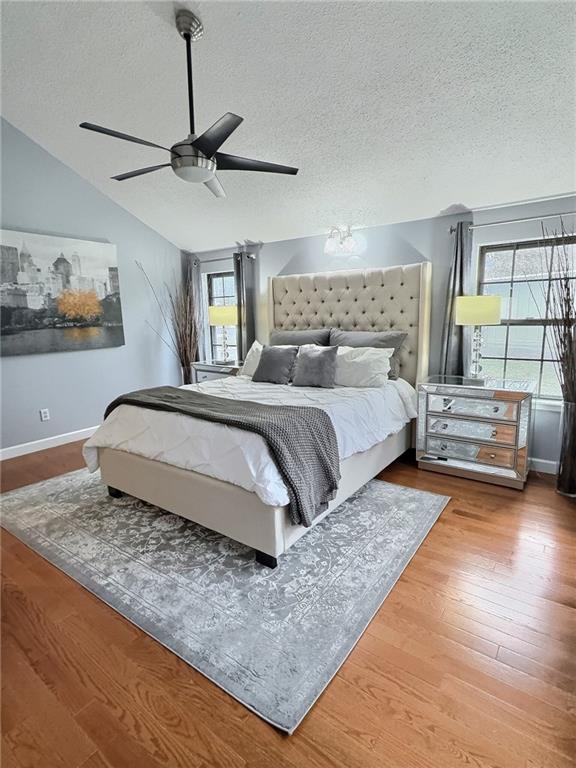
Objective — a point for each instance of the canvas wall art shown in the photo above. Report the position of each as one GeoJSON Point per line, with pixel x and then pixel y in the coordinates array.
{"type": "Point", "coordinates": [57, 294]}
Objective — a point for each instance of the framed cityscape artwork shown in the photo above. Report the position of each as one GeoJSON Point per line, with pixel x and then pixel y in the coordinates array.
{"type": "Point", "coordinates": [57, 294]}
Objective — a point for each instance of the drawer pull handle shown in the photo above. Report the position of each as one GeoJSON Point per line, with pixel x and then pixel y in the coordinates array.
{"type": "Point", "coordinates": [447, 403]}
{"type": "Point", "coordinates": [495, 409]}
{"type": "Point", "coordinates": [492, 455]}
{"type": "Point", "coordinates": [443, 447]}
{"type": "Point", "coordinates": [495, 432]}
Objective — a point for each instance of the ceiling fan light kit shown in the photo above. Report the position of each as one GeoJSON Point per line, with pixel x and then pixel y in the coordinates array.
{"type": "Point", "coordinates": [196, 159]}
{"type": "Point", "coordinates": [189, 164]}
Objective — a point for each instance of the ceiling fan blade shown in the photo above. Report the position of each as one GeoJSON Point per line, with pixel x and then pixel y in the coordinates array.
{"type": "Point", "coordinates": [233, 163]}
{"type": "Point", "coordinates": [140, 172]}
{"type": "Point", "coordinates": [118, 135]}
{"type": "Point", "coordinates": [212, 139]}
{"type": "Point", "coordinates": [215, 187]}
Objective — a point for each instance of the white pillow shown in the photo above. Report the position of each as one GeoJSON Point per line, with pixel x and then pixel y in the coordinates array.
{"type": "Point", "coordinates": [252, 359]}
{"type": "Point", "coordinates": [362, 366]}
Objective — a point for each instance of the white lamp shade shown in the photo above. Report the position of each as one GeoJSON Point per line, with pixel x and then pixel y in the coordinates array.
{"type": "Point", "coordinates": [477, 310]}
{"type": "Point", "coordinates": [223, 315]}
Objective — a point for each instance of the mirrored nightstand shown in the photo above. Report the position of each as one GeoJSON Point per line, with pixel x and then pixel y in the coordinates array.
{"type": "Point", "coordinates": [475, 428]}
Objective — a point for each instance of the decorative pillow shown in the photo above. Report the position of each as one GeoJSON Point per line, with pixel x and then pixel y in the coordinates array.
{"type": "Point", "coordinates": [362, 366]}
{"type": "Point", "coordinates": [252, 359]}
{"type": "Point", "coordinates": [375, 339]}
{"type": "Point", "coordinates": [320, 336]}
{"type": "Point", "coordinates": [275, 365]}
{"type": "Point", "coordinates": [315, 366]}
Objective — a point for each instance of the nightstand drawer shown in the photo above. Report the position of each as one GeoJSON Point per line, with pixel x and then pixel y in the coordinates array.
{"type": "Point", "coordinates": [207, 370]}
{"type": "Point", "coordinates": [467, 406]}
{"type": "Point", "coordinates": [483, 454]}
{"type": "Point", "coordinates": [483, 431]}
{"type": "Point", "coordinates": [208, 376]}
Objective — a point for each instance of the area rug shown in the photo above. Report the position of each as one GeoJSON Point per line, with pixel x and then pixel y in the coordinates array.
{"type": "Point", "coordinates": [273, 639]}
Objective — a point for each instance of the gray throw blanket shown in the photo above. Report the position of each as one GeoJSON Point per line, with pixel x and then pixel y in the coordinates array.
{"type": "Point", "coordinates": [301, 439]}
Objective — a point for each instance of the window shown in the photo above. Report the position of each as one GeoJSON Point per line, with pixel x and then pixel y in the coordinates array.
{"type": "Point", "coordinates": [522, 347]}
{"type": "Point", "coordinates": [222, 291]}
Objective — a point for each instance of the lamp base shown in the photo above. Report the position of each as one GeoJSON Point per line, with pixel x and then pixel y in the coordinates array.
{"type": "Point", "coordinates": [475, 367]}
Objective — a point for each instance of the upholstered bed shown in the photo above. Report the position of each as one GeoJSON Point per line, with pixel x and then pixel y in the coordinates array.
{"type": "Point", "coordinates": [393, 298]}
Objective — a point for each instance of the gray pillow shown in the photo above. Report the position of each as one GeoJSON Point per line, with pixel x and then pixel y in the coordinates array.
{"type": "Point", "coordinates": [319, 336]}
{"type": "Point", "coordinates": [315, 367]}
{"type": "Point", "coordinates": [377, 339]}
{"type": "Point", "coordinates": [275, 365]}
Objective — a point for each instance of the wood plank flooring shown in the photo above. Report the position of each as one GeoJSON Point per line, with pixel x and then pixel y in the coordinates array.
{"type": "Point", "coordinates": [470, 662]}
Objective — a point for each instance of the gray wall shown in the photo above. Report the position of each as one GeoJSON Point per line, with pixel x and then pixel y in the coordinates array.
{"type": "Point", "coordinates": [40, 194]}
{"type": "Point", "coordinates": [406, 243]}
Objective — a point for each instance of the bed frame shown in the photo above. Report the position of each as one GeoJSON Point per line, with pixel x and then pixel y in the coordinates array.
{"type": "Point", "coordinates": [392, 298]}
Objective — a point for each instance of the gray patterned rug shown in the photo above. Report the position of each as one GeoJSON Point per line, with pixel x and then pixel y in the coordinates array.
{"type": "Point", "coordinates": [273, 639]}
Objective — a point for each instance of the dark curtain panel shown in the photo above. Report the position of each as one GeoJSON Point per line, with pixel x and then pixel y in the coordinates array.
{"type": "Point", "coordinates": [192, 277]}
{"type": "Point", "coordinates": [455, 355]}
{"type": "Point", "coordinates": [245, 276]}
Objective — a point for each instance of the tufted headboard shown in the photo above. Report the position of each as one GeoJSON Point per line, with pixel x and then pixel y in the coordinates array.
{"type": "Point", "coordinates": [391, 298]}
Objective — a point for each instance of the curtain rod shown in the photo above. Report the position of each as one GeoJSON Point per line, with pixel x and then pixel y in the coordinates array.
{"type": "Point", "coordinates": [220, 258]}
{"type": "Point", "coordinates": [225, 258]}
{"type": "Point", "coordinates": [516, 221]}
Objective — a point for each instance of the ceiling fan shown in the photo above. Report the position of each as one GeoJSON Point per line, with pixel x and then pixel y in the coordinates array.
{"type": "Point", "coordinates": [196, 158]}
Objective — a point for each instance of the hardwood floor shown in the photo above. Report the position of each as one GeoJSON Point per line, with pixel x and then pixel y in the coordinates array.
{"type": "Point", "coordinates": [34, 467]}
{"type": "Point", "coordinates": [470, 662]}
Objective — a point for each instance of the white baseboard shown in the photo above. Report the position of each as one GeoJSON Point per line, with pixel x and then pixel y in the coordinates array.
{"type": "Point", "coordinates": [544, 465]}
{"type": "Point", "coordinates": [48, 442]}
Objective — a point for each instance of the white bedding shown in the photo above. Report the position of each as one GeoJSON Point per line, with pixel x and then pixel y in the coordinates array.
{"type": "Point", "coordinates": [362, 417]}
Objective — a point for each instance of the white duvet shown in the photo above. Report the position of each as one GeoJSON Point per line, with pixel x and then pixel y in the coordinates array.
{"type": "Point", "coordinates": [361, 418]}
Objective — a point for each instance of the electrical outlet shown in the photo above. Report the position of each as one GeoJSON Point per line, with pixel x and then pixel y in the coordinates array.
{"type": "Point", "coordinates": [44, 414]}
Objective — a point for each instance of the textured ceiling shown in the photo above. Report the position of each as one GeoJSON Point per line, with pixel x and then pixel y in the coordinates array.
{"type": "Point", "coordinates": [392, 110]}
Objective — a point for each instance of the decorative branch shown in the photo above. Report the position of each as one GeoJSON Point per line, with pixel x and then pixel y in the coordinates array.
{"type": "Point", "coordinates": [158, 302]}
{"type": "Point", "coordinates": [560, 260]}
{"type": "Point", "coordinates": [179, 316]}
{"type": "Point", "coordinates": [162, 339]}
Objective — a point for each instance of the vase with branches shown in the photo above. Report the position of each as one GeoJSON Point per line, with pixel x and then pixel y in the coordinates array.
{"type": "Point", "coordinates": [559, 251]}
{"type": "Point", "coordinates": [179, 316]}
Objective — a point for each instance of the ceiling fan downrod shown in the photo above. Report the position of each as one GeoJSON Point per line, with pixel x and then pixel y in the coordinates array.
{"type": "Point", "coordinates": [190, 28]}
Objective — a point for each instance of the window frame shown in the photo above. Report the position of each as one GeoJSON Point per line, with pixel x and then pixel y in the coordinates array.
{"type": "Point", "coordinates": [213, 344]}
{"type": "Point", "coordinates": [542, 322]}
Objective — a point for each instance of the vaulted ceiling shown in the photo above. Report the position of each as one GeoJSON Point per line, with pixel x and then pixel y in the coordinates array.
{"type": "Point", "coordinates": [391, 110]}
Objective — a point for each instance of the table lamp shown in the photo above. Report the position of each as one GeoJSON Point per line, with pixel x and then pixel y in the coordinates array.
{"type": "Point", "coordinates": [223, 316]}
{"type": "Point", "coordinates": [477, 311]}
